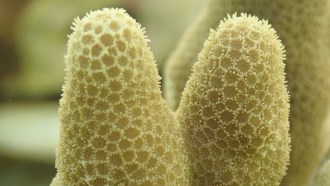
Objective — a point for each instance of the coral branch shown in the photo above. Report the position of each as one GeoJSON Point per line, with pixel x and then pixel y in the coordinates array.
{"type": "Point", "coordinates": [115, 127]}
{"type": "Point", "coordinates": [301, 25]}
{"type": "Point", "coordinates": [178, 66]}
{"type": "Point", "coordinates": [234, 109]}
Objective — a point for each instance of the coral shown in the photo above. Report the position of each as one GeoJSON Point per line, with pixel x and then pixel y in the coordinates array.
{"type": "Point", "coordinates": [178, 66]}
{"type": "Point", "coordinates": [323, 175]}
{"type": "Point", "coordinates": [319, 174]}
{"type": "Point", "coordinates": [34, 27]}
{"type": "Point", "coordinates": [301, 26]}
{"type": "Point", "coordinates": [164, 36]}
{"type": "Point", "coordinates": [54, 182]}
{"type": "Point", "coordinates": [116, 129]}
{"type": "Point", "coordinates": [234, 109]}
{"type": "Point", "coordinates": [233, 116]}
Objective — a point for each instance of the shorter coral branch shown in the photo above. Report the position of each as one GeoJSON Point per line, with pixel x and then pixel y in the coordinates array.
{"type": "Point", "coordinates": [115, 127]}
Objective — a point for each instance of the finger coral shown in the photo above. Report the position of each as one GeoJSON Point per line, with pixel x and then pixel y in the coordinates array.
{"type": "Point", "coordinates": [301, 25]}
{"type": "Point", "coordinates": [115, 127]}
{"type": "Point", "coordinates": [234, 109]}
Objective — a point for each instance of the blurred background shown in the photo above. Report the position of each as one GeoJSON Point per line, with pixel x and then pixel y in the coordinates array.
{"type": "Point", "coordinates": [33, 37]}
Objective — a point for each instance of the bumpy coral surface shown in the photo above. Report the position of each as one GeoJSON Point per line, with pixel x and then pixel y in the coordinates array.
{"type": "Point", "coordinates": [301, 26]}
{"type": "Point", "coordinates": [115, 127]}
{"type": "Point", "coordinates": [234, 109]}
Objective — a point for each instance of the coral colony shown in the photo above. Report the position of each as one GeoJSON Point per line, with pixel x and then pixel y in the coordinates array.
{"type": "Point", "coordinates": [233, 121]}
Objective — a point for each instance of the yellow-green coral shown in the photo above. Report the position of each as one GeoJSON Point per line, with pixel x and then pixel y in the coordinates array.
{"type": "Point", "coordinates": [178, 67]}
{"type": "Point", "coordinates": [234, 109]}
{"type": "Point", "coordinates": [323, 175]}
{"type": "Point", "coordinates": [301, 26]}
{"type": "Point", "coordinates": [115, 127]}
{"type": "Point", "coordinates": [54, 182]}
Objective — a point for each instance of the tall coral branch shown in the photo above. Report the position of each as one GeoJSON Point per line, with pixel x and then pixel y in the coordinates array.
{"type": "Point", "coordinates": [234, 109]}
{"type": "Point", "coordinates": [115, 127]}
{"type": "Point", "coordinates": [301, 26]}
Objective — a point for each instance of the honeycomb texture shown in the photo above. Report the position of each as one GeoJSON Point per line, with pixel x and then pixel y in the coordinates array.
{"type": "Point", "coordinates": [115, 127]}
{"type": "Point", "coordinates": [234, 108]}
{"type": "Point", "coordinates": [323, 176]}
{"type": "Point", "coordinates": [300, 25]}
